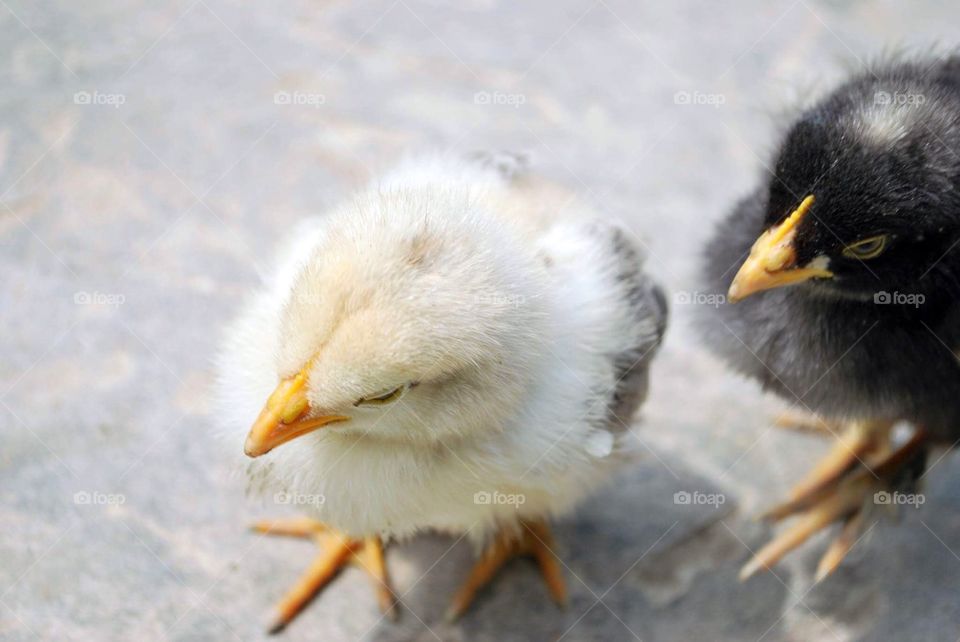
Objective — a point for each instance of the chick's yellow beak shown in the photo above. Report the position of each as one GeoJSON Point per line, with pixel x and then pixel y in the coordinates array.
{"type": "Point", "coordinates": [284, 417]}
{"type": "Point", "coordinates": [773, 259]}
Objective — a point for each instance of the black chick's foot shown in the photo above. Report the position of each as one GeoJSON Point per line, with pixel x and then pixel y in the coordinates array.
{"type": "Point", "coordinates": [863, 470]}
{"type": "Point", "coordinates": [854, 442]}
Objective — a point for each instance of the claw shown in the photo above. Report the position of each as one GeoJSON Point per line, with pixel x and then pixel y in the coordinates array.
{"type": "Point", "coordinates": [371, 558]}
{"type": "Point", "coordinates": [852, 445]}
{"type": "Point", "coordinates": [541, 545]}
{"type": "Point", "coordinates": [845, 497]}
{"type": "Point", "coordinates": [291, 527]}
{"type": "Point", "coordinates": [842, 545]}
{"type": "Point", "coordinates": [335, 551]}
{"type": "Point", "coordinates": [804, 422]}
{"type": "Point", "coordinates": [535, 540]}
{"type": "Point", "coordinates": [837, 505]}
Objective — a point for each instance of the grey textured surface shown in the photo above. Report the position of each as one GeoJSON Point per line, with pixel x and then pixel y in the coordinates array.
{"type": "Point", "coordinates": [129, 231]}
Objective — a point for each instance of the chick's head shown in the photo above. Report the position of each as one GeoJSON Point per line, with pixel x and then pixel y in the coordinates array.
{"type": "Point", "coordinates": [862, 198]}
{"type": "Point", "coordinates": [413, 319]}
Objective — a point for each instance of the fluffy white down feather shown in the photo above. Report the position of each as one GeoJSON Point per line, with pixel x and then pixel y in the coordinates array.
{"type": "Point", "coordinates": [498, 295]}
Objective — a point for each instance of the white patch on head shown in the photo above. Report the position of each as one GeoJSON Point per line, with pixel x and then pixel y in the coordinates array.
{"type": "Point", "coordinates": [884, 123]}
{"type": "Point", "coordinates": [891, 113]}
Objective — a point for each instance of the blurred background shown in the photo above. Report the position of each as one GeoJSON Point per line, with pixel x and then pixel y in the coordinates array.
{"type": "Point", "coordinates": [151, 154]}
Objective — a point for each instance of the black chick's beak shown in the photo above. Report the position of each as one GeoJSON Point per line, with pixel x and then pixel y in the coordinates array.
{"type": "Point", "coordinates": [773, 260]}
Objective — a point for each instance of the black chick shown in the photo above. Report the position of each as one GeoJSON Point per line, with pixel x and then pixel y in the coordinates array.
{"type": "Point", "coordinates": [861, 218]}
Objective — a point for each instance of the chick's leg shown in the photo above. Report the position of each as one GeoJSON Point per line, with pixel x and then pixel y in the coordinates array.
{"type": "Point", "coordinates": [843, 487]}
{"type": "Point", "coordinates": [854, 442]}
{"type": "Point", "coordinates": [534, 540]}
{"type": "Point", "coordinates": [336, 550]}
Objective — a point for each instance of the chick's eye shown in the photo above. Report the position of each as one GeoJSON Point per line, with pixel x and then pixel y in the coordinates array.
{"type": "Point", "coordinates": [381, 399]}
{"type": "Point", "coordinates": [867, 248]}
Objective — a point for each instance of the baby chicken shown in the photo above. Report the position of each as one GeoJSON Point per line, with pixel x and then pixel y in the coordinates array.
{"type": "Point", "coordinates": [852, 275]}
{"type": "Point", "coordinates": [459, 347]}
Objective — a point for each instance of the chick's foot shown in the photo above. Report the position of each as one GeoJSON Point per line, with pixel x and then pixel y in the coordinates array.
{"type": "Point", "coordinates": [844, 486]}
{"type": "Point", "coordinates": [534, 540]}
{"type": "Point", "coordinates": [336, 550]}
{"type": "Point", "coordinates": [854, 442]}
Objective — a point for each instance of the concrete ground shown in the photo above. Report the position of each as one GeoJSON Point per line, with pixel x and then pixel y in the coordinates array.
{"type": "Point", "coordinates": [152, 153]}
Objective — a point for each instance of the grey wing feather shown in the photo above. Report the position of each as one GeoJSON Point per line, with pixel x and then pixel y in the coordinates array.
{"type": "Point", "coordinates": [648, 307]}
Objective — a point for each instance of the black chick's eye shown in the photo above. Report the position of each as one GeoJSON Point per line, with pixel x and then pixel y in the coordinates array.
{"type": "Point", "coordinates": [381, 399]}
{"type": "Point", "coordinates": [867, 248]}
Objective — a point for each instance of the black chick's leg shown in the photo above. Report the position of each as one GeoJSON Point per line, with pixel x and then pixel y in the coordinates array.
{"type": "Point", "coordinates": [863, 471]}
{"type": "Point", "coordinates": [854, 442]}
